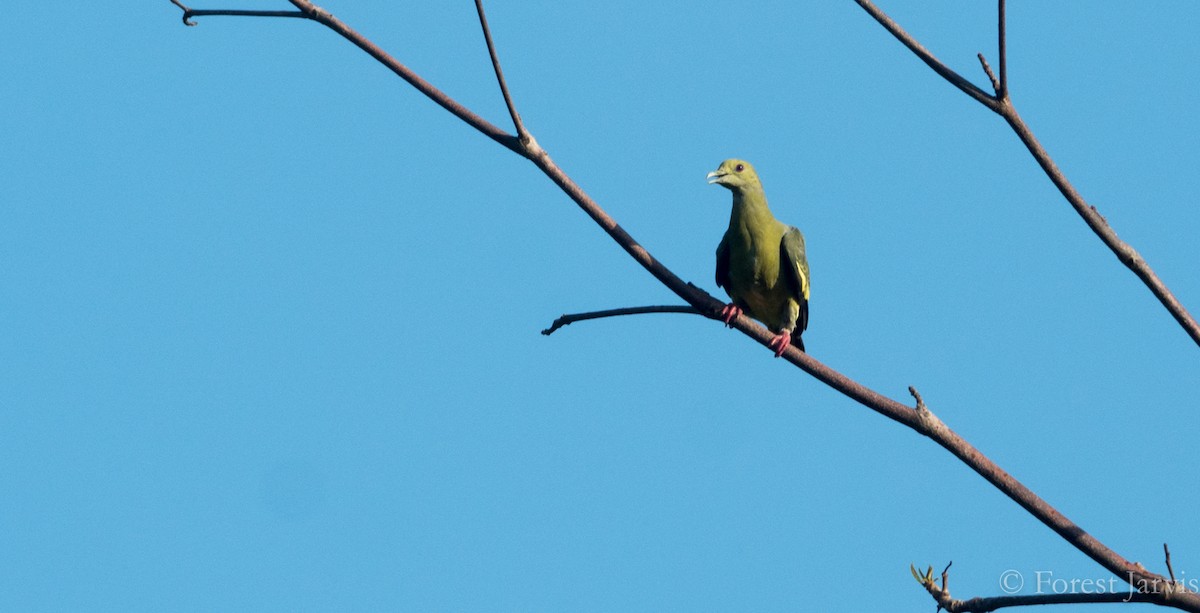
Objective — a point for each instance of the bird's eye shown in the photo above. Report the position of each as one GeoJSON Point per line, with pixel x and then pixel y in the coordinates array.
{"type": "Point", "coordinates": [740, 167]}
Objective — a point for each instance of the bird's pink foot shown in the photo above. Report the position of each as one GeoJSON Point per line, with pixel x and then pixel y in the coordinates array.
{"type": "Point", "coordinates": [780, 343]}
{"type": "Point", "coordinates": [729, 313]}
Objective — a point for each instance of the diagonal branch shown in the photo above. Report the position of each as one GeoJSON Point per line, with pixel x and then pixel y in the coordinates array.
{"type": "Point", "coordinates": [920, 419]}
{"type": "Point", "coordinates": [1002, 105]}
{"type": "Point", "coordinates": [1099, 225]}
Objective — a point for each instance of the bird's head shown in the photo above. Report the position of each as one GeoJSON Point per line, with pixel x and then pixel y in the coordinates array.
{"type": "Point", "coordinates": [735, 175]}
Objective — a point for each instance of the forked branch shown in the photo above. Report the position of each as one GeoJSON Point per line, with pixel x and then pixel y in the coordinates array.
{"type": "Point", "coordinates": [1001, 104]}
{"type": "Point", "coordinates": [993, 603]}
{"type": "Point", "coordinates": [1097, 592]}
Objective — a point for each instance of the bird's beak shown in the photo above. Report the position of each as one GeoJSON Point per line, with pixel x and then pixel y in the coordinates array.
{"type": "Point", "coordinates": [715, 177]}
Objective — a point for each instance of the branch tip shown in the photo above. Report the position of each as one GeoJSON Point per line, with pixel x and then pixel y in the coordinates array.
{"type": "Point", "coordinates": [920, 403]}
{"type": "Point", "coordinates": [556, 324]}
{"type": "Point", "coordinates": [990, 75]}
{"type": "Point", "coordinates": [187, 13]}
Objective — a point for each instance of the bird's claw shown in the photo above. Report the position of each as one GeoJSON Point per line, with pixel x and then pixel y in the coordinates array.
{"type": "Point", "coordinates": [780, 343]}
{"type": "Point", "coordinates": [730, 313]}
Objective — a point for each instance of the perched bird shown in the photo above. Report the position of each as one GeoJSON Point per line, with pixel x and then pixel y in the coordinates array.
{"type": "Point", "coordinates": [761, 261]}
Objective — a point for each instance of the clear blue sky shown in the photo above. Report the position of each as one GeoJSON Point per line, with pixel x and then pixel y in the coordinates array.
{"type": "Point", "coordinates": [269, 327]}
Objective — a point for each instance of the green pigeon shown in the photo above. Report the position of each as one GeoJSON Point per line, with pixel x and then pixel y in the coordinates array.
{"type": "Point", "coordinates": [760, 261]}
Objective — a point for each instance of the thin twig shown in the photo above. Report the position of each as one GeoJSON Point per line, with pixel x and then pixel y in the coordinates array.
{"type": "Point", "coordinates": [1167, 555]}
{"type": "Point", "coordinates": [512, 109]}
{"type": "Point", "coordinates": [990, 75]}
{"type": "Point", "coordinates": [207, 13]}
{"type": "Point", "coordinates": [571, 318]}
{"type": "Point", "coordinates": [920, 402]}
{"type": "Point", "coordinates": [1002, 105]}
{"type": "Point", "coordinates": [1002, 90]}
{"type": "Point", "coordinates": [189, 13]}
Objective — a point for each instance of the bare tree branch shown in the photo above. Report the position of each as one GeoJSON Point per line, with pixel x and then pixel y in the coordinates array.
{"type": "Point", "coordinates": [1001, 104]}
{"type": "Point", "coordinates": [1097, 592]}
{"type": "Point", "coordinates": [512, 109]}
{"type": "Point", "coordinates": [920, 418]}
{"type": "Point", "coordinates": [988, 70]}
{"type": "Point", "coordinates": [992, 603]}
{"type": "Point", "coordinates": [188, 13]}
{"type": "Point", "coordinates": [1167, 557]}
{"type": "Point", "coordinates": [571, 318]}
{"type": "Point", "coordinates": [1001, 31]}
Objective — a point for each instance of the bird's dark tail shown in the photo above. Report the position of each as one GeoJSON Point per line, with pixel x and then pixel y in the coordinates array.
{"type": "Point", "coordinates": [798, 342]}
